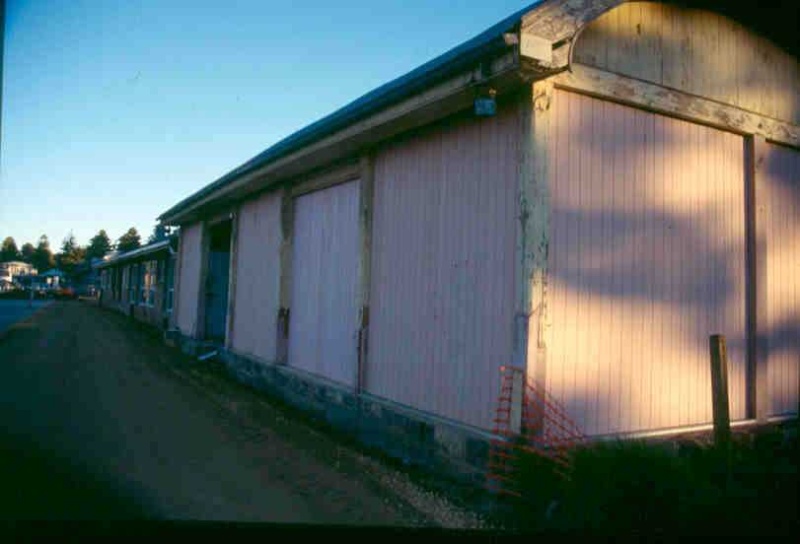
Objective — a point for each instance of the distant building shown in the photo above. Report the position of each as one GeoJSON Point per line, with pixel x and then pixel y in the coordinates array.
{"type": "Point", "coordinates": [16, 268]}
{"type": "Point", "coordinates": [11, 271]}
{"type": "Point", "coordinates": [86, 278]}
{"type": "Point", "coordinates": [139, 282]}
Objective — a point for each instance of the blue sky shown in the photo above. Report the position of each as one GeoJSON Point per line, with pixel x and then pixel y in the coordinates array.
{"type": "Point", "coordinates": [113, 111]}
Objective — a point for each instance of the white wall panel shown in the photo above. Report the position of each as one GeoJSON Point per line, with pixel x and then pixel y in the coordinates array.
{"type": "Point", "coordinates": [323, 320]}
{"type": "Point", "coordinates": [647, 257]}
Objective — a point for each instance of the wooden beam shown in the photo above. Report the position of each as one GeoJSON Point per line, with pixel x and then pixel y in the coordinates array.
{"type": "Point", "coordinates": [232, 269]}
{"type": "Point", "coordinates": [538, 235]}
{"type": "Point", "coordinates": [626, 90]}
{"type": "Point", "coordinates": [285, 285]}
{"type": "Point", "coordinates": [327, 178]}
{"type": "Point", "coordinates": [751, 300]}
{"type": "Point", "coordinates": [558, 20]}
{"type": "Point", "coordinates": [365, 208]}
{"type": "Point", "coordinates": [719, 390]}
{"type": "Point", "coordinates": [523, 260]}
{"type": "Point", "coordinates": [533, 233]}
{"type": "Point", "coordinates": [758, 386]}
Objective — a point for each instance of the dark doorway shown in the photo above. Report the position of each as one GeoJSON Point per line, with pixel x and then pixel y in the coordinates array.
{"type": "Point", "coordinates": [216, 287]}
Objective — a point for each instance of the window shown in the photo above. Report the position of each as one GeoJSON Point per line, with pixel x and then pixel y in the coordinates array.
{"type": "Point", "coordinates": [147, 282]}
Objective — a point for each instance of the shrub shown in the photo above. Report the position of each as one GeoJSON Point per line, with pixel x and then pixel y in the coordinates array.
{"type": "Point", "coordinates": [626, 486]}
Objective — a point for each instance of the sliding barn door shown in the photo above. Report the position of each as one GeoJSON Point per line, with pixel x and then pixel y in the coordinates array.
{"type": "Point", "coordinates": [323, 320]}
{"type": "Point", "coordinates": [647, 259]}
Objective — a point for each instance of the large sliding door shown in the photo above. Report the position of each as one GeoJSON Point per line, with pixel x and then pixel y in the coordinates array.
{"type": "Point", "coordinates": [323, 322]}
{"type": "Point", "coordinates": [647, 259]}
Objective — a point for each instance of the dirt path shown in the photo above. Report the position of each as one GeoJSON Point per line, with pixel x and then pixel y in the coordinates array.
{"type": "Point", "coordinates": [102, 420]}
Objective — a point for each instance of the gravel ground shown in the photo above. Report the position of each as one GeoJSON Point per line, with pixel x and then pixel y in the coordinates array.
{"type": "Point", "coordinates": [101, 420]}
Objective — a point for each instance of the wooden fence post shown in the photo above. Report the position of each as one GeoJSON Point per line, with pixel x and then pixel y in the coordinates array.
{"type": "Point", "coordinates": [719, 390]}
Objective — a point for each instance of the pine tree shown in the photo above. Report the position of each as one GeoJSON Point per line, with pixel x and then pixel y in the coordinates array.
{"type": "Point", "coordinates": [129, 241]}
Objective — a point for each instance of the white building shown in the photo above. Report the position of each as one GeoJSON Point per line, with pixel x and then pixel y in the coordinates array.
{"type": "Point", "coordinates": [12, 269]}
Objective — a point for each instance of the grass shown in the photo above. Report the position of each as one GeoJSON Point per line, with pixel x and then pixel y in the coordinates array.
{"type": "Point", "coordinates": [634, 486]}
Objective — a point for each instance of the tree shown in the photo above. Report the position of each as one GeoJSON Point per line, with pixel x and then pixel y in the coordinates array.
{"type": "Point", "coordinates": [129, 241]}
{"type": "Point", "coordinates": [71, 255]}
{"type": "Point", "coordinates": [42, 256]}
{"type": "Point", "coordinates": [160, 232]}
{"type": "Point", "coordinates": [27, 252]}
{"type": "Point", "coordinates": [99, 245]}
{"type": "Point", "coordinates": [9, 251]}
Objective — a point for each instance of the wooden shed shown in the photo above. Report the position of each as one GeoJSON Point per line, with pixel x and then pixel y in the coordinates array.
{"type": "Point", "coordinates": [140, 282]}
{"type": "Point", "coordinates": [636, 189]}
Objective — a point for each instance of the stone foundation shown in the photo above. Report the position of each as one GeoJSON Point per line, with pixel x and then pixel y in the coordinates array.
{"type": "Point", "coordinates": [408, 435]}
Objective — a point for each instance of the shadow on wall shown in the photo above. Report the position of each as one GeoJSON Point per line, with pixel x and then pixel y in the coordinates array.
{"type": "Point", "coordinates": [647, 259]}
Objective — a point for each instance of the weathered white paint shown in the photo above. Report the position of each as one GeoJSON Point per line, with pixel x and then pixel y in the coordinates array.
{"type": "Point", "coordinates": [696, 51]}
{"type": "Point", "coordinates": [778, 205]}
{"type": "Point", "coordinates": [189, 279]}
{"type": "Point", "coordinates": [323, 322]}
{"type": "Point", "coordinates": [258, 274]}
{"type": "Point", "coordinates": [647, 257]}
{"type": "Point", "coordinates": [443, 246]}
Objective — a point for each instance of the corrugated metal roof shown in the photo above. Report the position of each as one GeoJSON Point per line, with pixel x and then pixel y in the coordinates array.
{"type": "Point", "coordinates": [451, 62]}
{"type": "Point", "coordinates": [134, 254]}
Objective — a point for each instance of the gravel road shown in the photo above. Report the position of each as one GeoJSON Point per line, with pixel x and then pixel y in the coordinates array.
{"type": "Point", "coordinates": [101, 420]}
{"type": "Point", "coordinates": [12, 311]}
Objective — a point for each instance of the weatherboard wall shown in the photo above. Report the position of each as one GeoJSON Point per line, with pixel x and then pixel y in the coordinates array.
{"type": "Point", "coordinates": [188, 284]}
{"type": "Point", "coordinates": [257, 277]}
{"type": "Point", "coordinates": [778, 201]}
{"type": "Point", "coordinates": [323, 324]}
{"type": "Point", "coordinates": [647, 259]}
{"type": "Point", "coordinates": [631, 299]}
{"type": "Point", "coordinates": [443, 243]}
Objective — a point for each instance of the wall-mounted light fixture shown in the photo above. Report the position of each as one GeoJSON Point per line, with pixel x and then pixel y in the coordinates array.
{"type": "Point", "coordinates": [485, 105]}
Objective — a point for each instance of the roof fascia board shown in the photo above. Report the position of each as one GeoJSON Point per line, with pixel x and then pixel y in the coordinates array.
{"type": "Point", "coordinates": [425, 107]}
{"type": "Point", "coordinates": [135, 254]}
{"type": "Point", "coordinates": [490, 42]}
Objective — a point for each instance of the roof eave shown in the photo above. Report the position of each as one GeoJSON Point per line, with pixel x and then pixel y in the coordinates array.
{"type": "Point", "coordinates": [134, 254]}
{"type": "Point", "coordinates": [463, 57]}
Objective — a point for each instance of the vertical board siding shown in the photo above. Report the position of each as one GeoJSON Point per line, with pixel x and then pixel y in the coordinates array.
{"type": "Point", "coordinates": [696, 51]}
{"type": "Point", "coordinates": [189, 279]}
{"type": "Point", "coordinates": [323, 323]}
{"type": "Point", "coordinates": [780, 217]}
{"type": "Point", "coordinates": [442, 294]}
{"type": "Point", "coordinates": [647, 259]}
{"type": "Point", "coordinates": [258, 277]}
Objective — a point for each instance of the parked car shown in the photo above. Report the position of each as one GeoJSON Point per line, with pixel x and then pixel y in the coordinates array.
{"type": "Point", "coordinates": [65, 292]}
